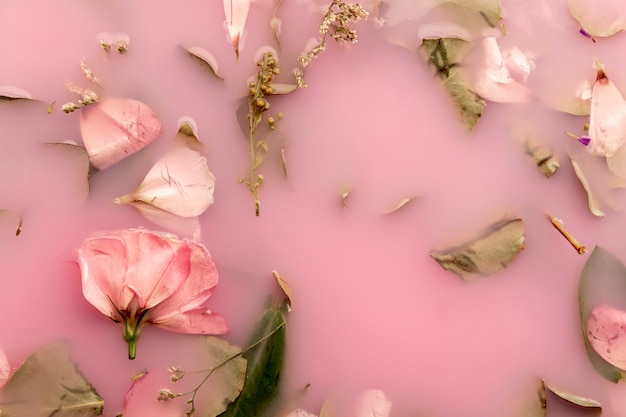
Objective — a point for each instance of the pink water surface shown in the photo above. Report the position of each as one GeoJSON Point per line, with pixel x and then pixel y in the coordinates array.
{"type": "Point", "coordinates": [371, 308]}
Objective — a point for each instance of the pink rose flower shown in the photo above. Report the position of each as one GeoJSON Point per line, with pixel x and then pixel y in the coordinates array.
{"type": "Point", "coordinates": [137, 277]}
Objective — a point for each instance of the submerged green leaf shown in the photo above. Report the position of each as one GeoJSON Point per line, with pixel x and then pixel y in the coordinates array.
{"type": "Point", "coordinates": [486, 255]}
{"type": "Point", "coordinates": [265, 355]}
{"type": "Point", "coordinates": [445, 55]}
{"type": "Point", "coordinates": [490, 10]}
{"type": "Point", "coordinates": [575, 399]}
{"type": "Point", "coordinates": [50, 384]}
{"type": "Point", "coordinates": [602, 282]}
{"type": "Point", "coordinates": [227, 381]}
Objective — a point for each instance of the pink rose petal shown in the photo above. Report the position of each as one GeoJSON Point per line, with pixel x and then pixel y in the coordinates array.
{"type": "Point", "coordinates": [115, 128]}
{"type": "Point", "coordinates": [607, 119]}
{"type": "Point", "coordinates": [606, 331]}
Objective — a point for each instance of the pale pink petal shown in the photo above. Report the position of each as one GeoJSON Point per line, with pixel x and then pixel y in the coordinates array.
{"type": "Point", "coordinates": [5, 368]}
{"type": "Point", "coordinates": [200, 321]}
{"type": "Point", "coordinates": [198, 287]}
{"type": "Point", "coordinates": [179, 183]}
{"type": "Point", "coordinates": [236, 12]}
{"type": "Point", "coordinates": [115, 128]}
{"type": "Point", "coordinates": [606, 331]}
{"type": "Point", "coordinates": [157, 265]}
{"type": "Point", "coordinates": [373, 403]}
{"type": "Point", "coordinates": [103, 269]}
{"type": "Point", "coordinates": [519, 63]}
{"type": "Point", "coordinates": [599, 17]}
{"type": "Point", "coordinates": [298, 412]}
{"type": "Point", "coordinates": [494, 80]}
{"type": "Point", "coordinates": [607, 120]}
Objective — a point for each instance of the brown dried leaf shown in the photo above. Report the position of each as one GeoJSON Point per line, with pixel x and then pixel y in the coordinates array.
{"type": "Point", "coordinates": [491, 252]}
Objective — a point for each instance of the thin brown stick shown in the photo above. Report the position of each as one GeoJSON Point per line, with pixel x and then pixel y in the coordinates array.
{"type": "Point", "coordinates": [580, 248]}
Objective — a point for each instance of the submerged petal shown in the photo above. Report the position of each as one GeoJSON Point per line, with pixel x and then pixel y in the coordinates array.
{"type": "Point", "coordinates": [495, 82]}
{"type": "Point", "coordinates": [115, 128]}
{"type": "Point", "coordinates": [236, 12]}
{"type": "Point", "coordinates": [180, 183]}
{"type": "Point", "coordinates": [606, 331]}
{"type": "Point", "coordinates": [607, 121]}
{"type": "Point", "coordinates": [599, 17]}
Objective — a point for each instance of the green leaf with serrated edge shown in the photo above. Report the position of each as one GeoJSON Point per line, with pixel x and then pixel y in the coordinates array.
{"type": "Point", "coordinates": [50, 384]}
{"type": "Point", "coordinates": [227, 381]}
{"type": "Point", "coordinates": [445, 55]}
{"type": "Point", "coordinates": [575, 399]}
{"type": "Point", "coordinates": [265, 361]}
{"type": "Point", "coordinates": [603, 281]}
{"type": "Point", "coordinates": [491, 252]}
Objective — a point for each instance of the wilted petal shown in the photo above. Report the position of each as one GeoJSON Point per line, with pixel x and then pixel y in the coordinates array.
{"type": "Point", "coordinates": [115, 128]}
{"type": "Point", "coordinates": [494, 81]}
{"type": "Point", "coordinates": [180, 183]}
{"type": "Point", "coordinates": [606, 331]}
{"type": "Point", "coordinates": [236, 12]}
{"type": "Point", "coordinates": [599, 17]}
{"type": "Point", "coordinates": [607, 121]}
{"type": "Point", "coordinates": [205, 58]}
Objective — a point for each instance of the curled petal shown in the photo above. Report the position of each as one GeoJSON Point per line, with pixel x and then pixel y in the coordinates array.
{"type": "Point", "coordinates": [607, 121]}
{"type": "Point", "coordinates": [180, 183]}
{"type": "Point", "coordinates": [115, 128]}
{"type": "Point", "coordinates": [599, 17]}
{"type": "Point", "coordinates": [495, 82]}
{"type": "Point", "coordinates": [236, 12]}
{"type": "Point", "coordinates": [606, 331]}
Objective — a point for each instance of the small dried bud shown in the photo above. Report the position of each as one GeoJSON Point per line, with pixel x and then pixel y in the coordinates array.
{"type": "Point", "coordinates": [69, 107]}
{"type": "Point", "coordinates": [261, 103]}
{"type": "Point", "coordinates": [122, 46]}
{"type": "Point", "coordinates": [166, 395]}
{"type": "Point", "coordinates": [89, 97]}
{"type": "Point", "coordinates": [105, 45]}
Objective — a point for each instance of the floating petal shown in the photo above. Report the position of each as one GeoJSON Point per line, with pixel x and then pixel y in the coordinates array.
{"type": "Point", "coordinates": [599, 17]}
{"type": "Point", "coordinates": [205, 58]}
{"type": "Point", "coordinates": [115, 128]}
{"type": "Point", "coordinates": [180, 183]}
{"type": "Point", "coordinates": [575, 399]}
{"type": "Point", "coordinates": [607, 119]}
{"type": "Point", "coordinates": [236, 12]}
{"type": "Point", "coordinates": [373, 403]}
{"type": "Point", "coordinates": [495, 82]}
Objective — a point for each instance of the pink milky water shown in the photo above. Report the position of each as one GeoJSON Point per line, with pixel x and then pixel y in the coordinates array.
{"type": "Point", "coordinates": [371, 308]}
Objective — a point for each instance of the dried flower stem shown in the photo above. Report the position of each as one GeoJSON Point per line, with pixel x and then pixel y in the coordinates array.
{"type": "Point", "coordinates": [336, 22]}
{"type": "Point", "coordinates": [178, 374]}
{"type": "Point", "coordinates": [571, 239]}
{"type": "Point", "coordinates": [257, 105]}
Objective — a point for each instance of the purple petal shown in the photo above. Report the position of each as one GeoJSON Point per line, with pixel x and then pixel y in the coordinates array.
{"type": "Point", "coordinates": [584, 140]}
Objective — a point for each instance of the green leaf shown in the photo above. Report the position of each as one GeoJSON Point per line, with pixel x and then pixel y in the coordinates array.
{"type": "Point", "coordinates": [265, 355]}
{"type": "Point", "coordinates": [603, 281]}
{"type": "Point", "coordinates": [227, 381]}
{"type": "Point", "coordinates": [445, 55]}
{"type": "Point", "coordinates": [491, 252]}
{"type": "Point", "coordinates": [50, 384]}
